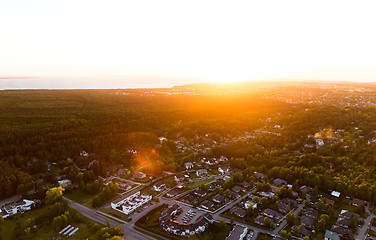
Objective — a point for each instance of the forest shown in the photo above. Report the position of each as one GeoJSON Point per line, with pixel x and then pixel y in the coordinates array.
{"type": "Point", "coordinates": [42, 132]}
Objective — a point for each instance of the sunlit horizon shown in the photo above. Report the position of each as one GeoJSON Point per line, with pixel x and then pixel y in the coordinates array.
{"type": "Point", "coordinates": [169, 43]}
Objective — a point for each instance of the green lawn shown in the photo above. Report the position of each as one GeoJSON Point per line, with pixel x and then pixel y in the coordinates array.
{"type": "Point", "coordinates": [80, 197]}
{"type": "Point", "coordinates": [197, 184]}
{"type": "Point", "coordinates": [44, 230]}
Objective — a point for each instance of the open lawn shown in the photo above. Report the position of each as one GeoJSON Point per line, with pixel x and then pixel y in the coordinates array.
{"type": "Point", "coordinates": [196, 184]}
{"type": "Point", "coordinates": [80, 197]}
{"type": "Point", "coordinates": [115, 214]}
{"type": "Point", "coordinates": [43, 231]}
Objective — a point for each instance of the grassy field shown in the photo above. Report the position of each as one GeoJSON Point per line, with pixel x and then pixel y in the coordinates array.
{"type": "Point", "coordinates": [198, 183]}
{"type": "Point", "coordinates": [115, 214]}
{"type": "Point", "coordinates": [44, 230]}
{"type": "Point", "coordinates": [85, 199]}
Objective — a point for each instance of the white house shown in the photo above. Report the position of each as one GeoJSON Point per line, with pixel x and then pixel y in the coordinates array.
{"type": "Point", "coordinates": [188, 165]}
{"type": "Point", "coordinates": [224, 169]}
{"type": "Point", "coordinates": [14, 208]}
{"type": "Point", "coordinates": [65, 183]}
{"type": "Point", "coordinates": [248, 203]}
{"type": "Point", "coordinates": [201, 172]}
{"type": "Point", "coordinates": [159, 186]}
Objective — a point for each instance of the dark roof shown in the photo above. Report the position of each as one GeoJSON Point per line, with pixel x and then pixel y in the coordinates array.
{"type": "Point", "coordinates": [237, 189]}
{"type": "Point", "coordinates": [270, 212]}
{"type": "Point", "coordinates": [240, 212]}
{"type": "Point", "coordinates": [258, 175]}
{"type": "Point", "coordinates": [311, 212]}
{"type": "Point", "coordinates": [343, 222]}
{"type": "Point", "coordinates": [307, 221]}
{"type": "Point", "coordinates": [219, 198]}
{"type": "Point", "coordinates": [246, 184]}
{"type": "Point", "coordinates": [303, 230]}
{"type": "Point", "coordinates": [347, 214]}
{"type": "Point", "coordinates": [357, 201]}
{"type": "Point", "coordinates": [283, 207]}
{"type": "Point", "coordinates": [289, 201]}
{"type": "Point", "coordinates": [208, 204]}
{"type": "Point", "coordinates": [279, 181]}
{"type": "Point", "coordinates": [200, 192]}
{"type": "Point", "coordinates": [159, 184]}
{"type": "Point", "coordinates": [260, 219]}
{"type": "Point", "coordinates": [341, 231]}
{"type": "Point", "coordinates": [306, 188]}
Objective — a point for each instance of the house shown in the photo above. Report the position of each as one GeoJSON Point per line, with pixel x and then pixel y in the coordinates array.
{"type": "Point", "coordinates": [224, 169]}
{"type": "Point", "coordinates": [258, 175]}
{"type": "Point", "coordinates": [189, 165]}
{"type": "Point", "coordinates": [139, 175]}
{"type": "Point", "coordinates": [159, 186]}
{"type": "Point", "coordinates": [335, 194]}
{"type": "Point", "coordinates": [266, 194]}
{"type": "Point", "coordinates": [199, 192]}
{"type": "Point", "coordinates": [206, 204]}
{"type": "Point", "coordinates": [283, 207]}
{"type": "Point", "coordinates": [219, 198]}
{"type": "Point", "coordinates": [65, 183]}
{"type": "Point", "coordinates": [328, 201]}
{"type": "Point", "coordinates": [307, 221]}
{"type": "Point", "coordinates": [358, 202]}
{"type": "Point", "coordinates": [222, 159]}
{"type": "Point", "coordinates": [291, 202]}
{"type": "Point", "coordinates": [312, 213]}
{"type": "Point", "coordinates": [329, 235]}
{"type": "Point", "coordinates": [341, 231]}
{"type": "Point", "coordinates": [124, 186]}
{"type": "Point", "coordinates": [270, 213]}
{"type": "Point", "coordinates": [246, 184]}
{"type": "Point", "coordinates": [233, 194]}
{"type": "Point", "coordinates": [83, 153]}
{"type": "Point", "coordinates": [343, 222]}
{"type": "Point", "coordinates": [218, 183]}
{"type": "Point", "coordinates": [279, 182]}
{"type": "Point", "coordinates": [17, 207]}
{"type": "Point", "coordinates": [202, 173]}
{"type": "Point", "coordinates": [260, 220]}
{"type": "Point", "coordinates": [238, 189]}
{"type": "Point", "coordinates": [189, 199]}
{"type": "Point", "coordinates": [210, 161]}
{"type": "Point", "coordinates": [180, 177]}
{"type": "Point", "coordinates": [240, 212]}
{"type": "Point", "coordinates": [237, 233]}
{"type": "Point", "coordinates": [306, 188]}
{"type": "Point", "coordinates": [171, 194]}
{"type": "Point", "coordinates": [248, 203]}
{"type": "Point", "coordinates": [303, 230]}
{"type": "Point", "coordinates": [347, 214]}
{"type": "Point", "coordinates": [211, 188]}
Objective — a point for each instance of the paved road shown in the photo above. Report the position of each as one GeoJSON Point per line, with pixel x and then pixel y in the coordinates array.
{"type": "Point", "coordinates": [362, 231]}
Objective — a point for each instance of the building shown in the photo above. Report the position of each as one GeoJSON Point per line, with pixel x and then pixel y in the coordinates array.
{"type": "Point", "coordinates": [219, 198]}
{"type": "Point", "coordinates": [139, 175]}
{"type": "Point", "coordinates": [65, 183]}
{"type": "Point", "coordinates": [306, 188]}
{"type": "Point", "coordinates": [307, 221]}
{"type": "Point", "coordinates": [199, 192]}
{"type": "Point", "coordinates": [237, 211]}
{"type": "Point", "coordinates": [258, 175]}
{"type": "Point", "coordinates": [180, 177]}
{"type": "Point", "coordinates": [358, 202]}
{"type": "Point", "coordinates": [16, 207]}
{"type": "Point", "coordinates": [279, 182]}
{"type": "Point", "coordinates": [270, 213]}
{"type": "Point", "coordinates": [336, 194]}
{"type": "Point", "coordinates": [171, 194]}
{"type": "Point", "coordinates": [208, 205]}
{"type": "Point", "coordinates": [312, 213]}
{"type": "Point", "coordinates": [224, 169]}
{"type": "Point", "coordinates": [329, 235]}
{"type": "Point", "coordinates": [248, 203]}
{"type": "Point", "coordinates": [260, 220]}
{"type": "Point", "coordinates": [159, 186]}
{"type": "Point", "coordinates": [185, 230]}
{"type": "Point", "coordinates": [131, 203]}
{"type": "Point", "coordinates": [201, 173]}
{"type": "Point", "coordinates": [189, 166]}
{"type": "Point", "coordinates": [237, 233]}
{"type": "Point", "coordinates": [283, 207]}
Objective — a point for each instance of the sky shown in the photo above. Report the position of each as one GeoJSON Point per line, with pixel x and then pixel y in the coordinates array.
{"type": "Point", "coordinates": [109, 44]}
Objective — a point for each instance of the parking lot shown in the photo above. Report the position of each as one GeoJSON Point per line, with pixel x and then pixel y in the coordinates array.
{"type": "Point", "coordinates": [189, 215]}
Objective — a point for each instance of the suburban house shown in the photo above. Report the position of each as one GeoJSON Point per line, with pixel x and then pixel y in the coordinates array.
{"type": "Point", "coordinates": [171, 193]}
{"type": "Point", "coordinates": [335, 194]}
{"type": "Point", "coordinates": [224, 169]}
{"type": "Point", "coordinates": [347, 214]}
{"type": "Point", "coordinates": [358, 202]}
{"type": "Point", "coordinates": [304, 232]}
{"type": "Point", "coordinates": [201, 172]}
{"type": "Point", "coordinates": [246, 184]}
{"type": "Point", "coordinates": [180, 177]}
{"type": "Point", "coordinates": [307, 221]}
{"type": "Point", "coordinates": [65, 183]}
{"type": "Point", "coordinates": [16, 207]}
{"type": "Point", "coordinates": [188, 165]}
{"type": "Point", "coordinates": [238, 189]}
{"type": "Point", "coordinates": [248, 203]}
{"type": "Point", "coordinates": [199, 192]}
{"type": "Point", "coordinates": [124, 186]}
{"type": "Point", "coordinates": [139, 175]}
{"type": "Point", "coordinates": [260, 220]}
{"type": "Point", "coordinates": [283, 207]}
{"type": "Point", "coordinates": [312, 213]}
{"type": "Point", "coordinates": [258, 175]}
{"type": "Point", "coordinates": [341, 231]}
{"type": "Point", "coordinates": [207, 205]}
{"type": "Point", "coordinates": [270, 213]}
{"type": "Point", "coordinates": [343, 222]}
{"type": "Point", "coordinates": [240, 212]}
{"type": "Point", "coordinates": [159, 186]}
{"type": "Point", "coordinates": [279, 182]}
{"type": "Point", "coordinates": [219, 198]}
{"type": "Point", "coordinates": [306, 188]}
{"type": "Point", "coordinates": [329, 235]}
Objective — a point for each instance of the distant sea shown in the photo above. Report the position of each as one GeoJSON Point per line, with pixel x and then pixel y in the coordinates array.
{"type": "Point", "coordinates": [90, 82]}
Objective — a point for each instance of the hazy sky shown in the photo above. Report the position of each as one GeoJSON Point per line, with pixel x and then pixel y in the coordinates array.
{"type": "Point", "coordinates": [206, 40]}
